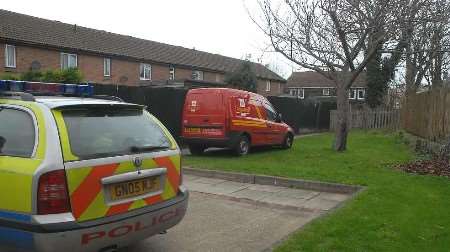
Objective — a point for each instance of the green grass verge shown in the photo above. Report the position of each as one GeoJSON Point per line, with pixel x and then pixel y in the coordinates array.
{"type": "Point", "coordinates": [397, 212]}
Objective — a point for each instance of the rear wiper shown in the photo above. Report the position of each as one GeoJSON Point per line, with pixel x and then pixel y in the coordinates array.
{"type": "Point", "coordinates": [136, 149]}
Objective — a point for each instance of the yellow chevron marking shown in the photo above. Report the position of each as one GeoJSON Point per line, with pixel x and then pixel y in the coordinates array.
{"type": "Point", "coordinates": [168, 191]}
{"type": "Point", "coordinates": [96, 209]}
{"type": "Point", "coordinates": [76, 176]}
{"type": "Point", "coordinates": [137, 204]}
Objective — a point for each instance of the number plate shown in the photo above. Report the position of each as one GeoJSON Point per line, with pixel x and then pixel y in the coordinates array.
{"type": "Point", "coordinates": [134, 188]}
{"type": "Point", "coordinates": [192, 130]}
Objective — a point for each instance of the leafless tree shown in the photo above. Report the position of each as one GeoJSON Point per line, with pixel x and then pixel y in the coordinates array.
{"type": "Point", "coordinates": [331, 38]}
{"type": "Point", "coordinates": [427, 53]}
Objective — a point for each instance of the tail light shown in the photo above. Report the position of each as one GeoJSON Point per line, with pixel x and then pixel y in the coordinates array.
{"type": "Point", "coordinates": [52, 195]}
{"type": "Point", "coordinates": [181, 170]}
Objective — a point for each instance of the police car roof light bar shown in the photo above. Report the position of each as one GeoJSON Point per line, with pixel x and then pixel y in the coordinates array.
{"type": "Point", "coordinates": [84, 90]}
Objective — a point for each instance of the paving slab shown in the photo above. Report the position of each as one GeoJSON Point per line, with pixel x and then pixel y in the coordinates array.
{"type": "Point", "coordinates": [231, 216]}
{"type": "Point", "coordinates": [215, 224]}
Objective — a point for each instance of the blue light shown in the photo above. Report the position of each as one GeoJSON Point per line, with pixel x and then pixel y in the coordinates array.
{"type": "Point", "coordinates": [69, 89]}
{"type": "Point", "coordinates": [17, 86]}
{"type": "Point", "coordinates": [3, 85]}
{"type": "Point", "coordinates": [84, 89]}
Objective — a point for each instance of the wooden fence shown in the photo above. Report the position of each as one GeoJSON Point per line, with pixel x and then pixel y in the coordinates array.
{"type": "Point", "coordinates": [427, 114]}
{"type": "Point", "coordinates": [370, 119]}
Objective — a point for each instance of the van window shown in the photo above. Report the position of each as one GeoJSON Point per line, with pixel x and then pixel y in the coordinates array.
{"type": "Point", "coordinates": [17, 133]}
{"type": "Point", "coordinates": [270, 111]}
{"type": "Point", "coordinates": [100, 132]}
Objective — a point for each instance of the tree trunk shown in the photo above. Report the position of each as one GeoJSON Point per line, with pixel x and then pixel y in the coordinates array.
{"type": "Point", "coordinates": [343, 107]}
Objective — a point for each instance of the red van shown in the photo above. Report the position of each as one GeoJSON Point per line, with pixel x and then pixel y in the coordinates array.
{"type": "Point", "coordinates": [223, 117]}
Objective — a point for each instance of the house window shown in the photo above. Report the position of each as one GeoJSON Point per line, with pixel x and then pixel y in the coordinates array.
{"type": "Point", "coordinates": [301, 93]}
{"type": "Point", "coordinates": [68, 61]}
{"type": "Point", "coordinates": [326, 91]}
{"type": "Point", "coordinates": [352, 94]}
{"type": "Point", "coordinates": [297, 92]}
{"type": "Point", "coordinates": [106, 67]}
{"type": "Point", "coordinates": [268, 84]}
{"type": "Point", "coordinates": [10, 56]}
{"type": "Point", "coordinates": [197, 75]}
{"type": "Point", "coordinates": [145, 72]}
{"type": "Point", "coordinates": [171, 73]}
{"type": "Point", "coordinates": [293, 92]}
{"type": "Point", "coordinates": [361, 94]}
{"type": "Point", "coordinates": [218, 79]}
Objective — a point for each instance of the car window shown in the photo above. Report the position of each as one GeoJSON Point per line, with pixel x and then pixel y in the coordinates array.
{"type": "Point", "coordinates": [17, 133]}
{"type": "Point", "coordinates": [95, 133]}
{"type": "Point", "coordinates": [270, 111]}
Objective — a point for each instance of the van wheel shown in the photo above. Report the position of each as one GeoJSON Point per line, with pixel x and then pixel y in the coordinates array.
{"type": "Point", "coordinates": [288, 141]}
{"type": "Point", "coordinates": [196, 149]}
{"type": "Point", "coordinates": [243, 146]}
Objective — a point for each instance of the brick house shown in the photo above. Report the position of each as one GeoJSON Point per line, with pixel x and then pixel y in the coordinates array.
{"type": "Point", "coordinates": [312, 84]}
{"type": "Point", "coordinates": [30, 43]}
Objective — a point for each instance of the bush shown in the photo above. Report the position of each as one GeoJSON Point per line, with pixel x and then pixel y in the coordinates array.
{"type": "Point", "coordinates": [9, 76]}
{"type": "Point", "coordinates": [71, 75]}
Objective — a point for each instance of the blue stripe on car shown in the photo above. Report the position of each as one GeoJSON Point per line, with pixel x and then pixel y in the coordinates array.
{"type": "Point", "coordinates": [15, 238]}
{"type": "Point", "coordinates": [15, 216]}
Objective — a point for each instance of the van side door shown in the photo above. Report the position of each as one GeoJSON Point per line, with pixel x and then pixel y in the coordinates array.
{"type": "Point", "coordinates": [274, 132]}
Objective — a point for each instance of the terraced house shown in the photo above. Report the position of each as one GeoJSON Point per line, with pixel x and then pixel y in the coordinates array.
{"type": "Point", "coordinates": [30, 43]}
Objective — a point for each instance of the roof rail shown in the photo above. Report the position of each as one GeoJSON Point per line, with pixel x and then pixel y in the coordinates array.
{"type": "Point", "coordinates": [21, 95]}
{"type": "Point", "coordinates": [107, 97]}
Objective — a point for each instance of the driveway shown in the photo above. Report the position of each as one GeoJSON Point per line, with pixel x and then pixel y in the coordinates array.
{"type": "Point", "coordinates": [230, 216]}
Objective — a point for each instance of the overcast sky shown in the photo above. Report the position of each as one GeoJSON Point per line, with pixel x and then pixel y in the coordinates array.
{"type": "Point", "coordinates": [216, 26]}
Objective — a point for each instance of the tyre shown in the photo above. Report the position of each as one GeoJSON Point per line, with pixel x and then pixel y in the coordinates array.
{"type": "Point", "coordinates": [288, 141]}
{"type": "Point", "coordinates": [196, 149]}
{"type": "Point", "coordinates": [243, 146]}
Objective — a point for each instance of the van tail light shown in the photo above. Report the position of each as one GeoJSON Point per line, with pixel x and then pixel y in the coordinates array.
{"type": "Point", "coordinates": [52, 195]}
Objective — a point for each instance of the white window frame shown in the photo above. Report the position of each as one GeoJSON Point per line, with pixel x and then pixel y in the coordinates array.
{"type": "Point", "coordinates": [301, 93]}
{"type": "Point", "coordinates": [171, 73]}
{"type": "Point", "coordinates": [268, 85]}
{"type": "Point", "coordinates": [107, 67]}
{"type": "Point", "coordinates": [7, 56]}
{"type": "Point", "coordinates": [145, 66]}
{"type": "Point", "coordinates": [326, 92]}
{"type": "Point", "coordinates": [363, 96]}
{"type": "Point", "coordinates": [69, 55]}
{"type": "Point", "coordinates": [352, 94]}
{"type": "Point", "coordinates": [293, 91]}
{"type": "Point", "coordinates": [197, 75]}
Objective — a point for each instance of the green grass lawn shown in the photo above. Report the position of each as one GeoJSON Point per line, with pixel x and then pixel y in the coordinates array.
{"type": "Point", "coordinates": [397, 212]}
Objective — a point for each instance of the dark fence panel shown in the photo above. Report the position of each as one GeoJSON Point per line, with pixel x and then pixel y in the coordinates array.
{"type": "Point", "coordinates": [166, 104]}
{"type": "Point", "coordinates": [307, 114]}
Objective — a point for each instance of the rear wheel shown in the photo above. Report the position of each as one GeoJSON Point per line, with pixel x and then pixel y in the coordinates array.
{"type": "Point", "coordinates": [243, 146]}
{"type": "Point", "coordinates": [196, 149]}
{"type": "Point", "coordinates": [288, 141]}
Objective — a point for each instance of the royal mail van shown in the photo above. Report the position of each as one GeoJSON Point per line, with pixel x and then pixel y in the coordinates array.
{"type": "Point", "coordinates": [80, 174]}
{"type": "Point", "coordinates": [223, 117]}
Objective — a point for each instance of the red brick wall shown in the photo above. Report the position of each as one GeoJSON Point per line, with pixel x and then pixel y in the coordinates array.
{"type": "Point", "coordinates": [276, 88]}
{"type": "Point", "coordinates": [49, 59]}
{"type": "Point", "coordinates": [125, 72]}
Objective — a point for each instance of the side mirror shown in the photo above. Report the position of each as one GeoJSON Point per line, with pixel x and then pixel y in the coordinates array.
{"type": "Point", "coordinates": [279, 118]}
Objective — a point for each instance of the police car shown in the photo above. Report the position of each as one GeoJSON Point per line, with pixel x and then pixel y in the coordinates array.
{"type": "Point", "coordinates": [80, 172]}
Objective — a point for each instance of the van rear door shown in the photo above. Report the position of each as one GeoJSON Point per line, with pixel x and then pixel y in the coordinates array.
{"type": "Point", "coordinates": [204, 114]}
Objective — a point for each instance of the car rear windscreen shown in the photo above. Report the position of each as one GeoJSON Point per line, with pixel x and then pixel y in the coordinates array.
{"type": "Point", "coordinates": [99, 132]}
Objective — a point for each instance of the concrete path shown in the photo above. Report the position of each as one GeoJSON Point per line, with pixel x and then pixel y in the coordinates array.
{"type": "Point", "coordinates": [230, 216]}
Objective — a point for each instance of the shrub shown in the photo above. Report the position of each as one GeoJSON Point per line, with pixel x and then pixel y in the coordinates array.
{"type": "Point", "coordinates": [71, 75]}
